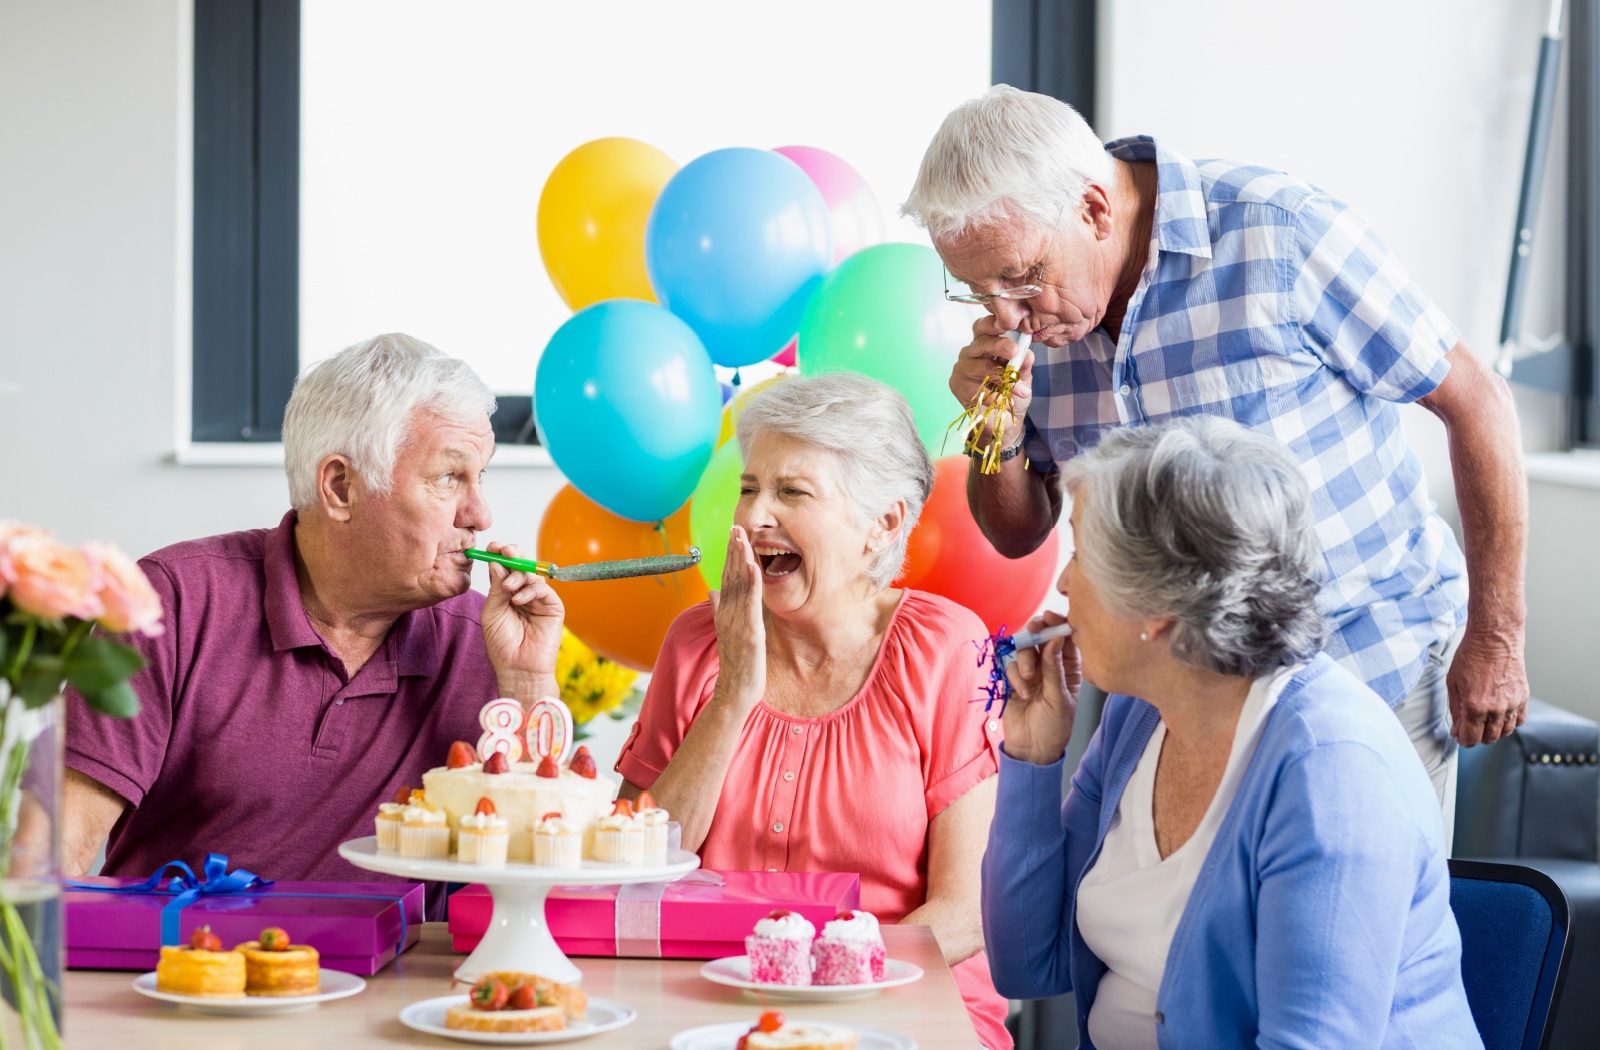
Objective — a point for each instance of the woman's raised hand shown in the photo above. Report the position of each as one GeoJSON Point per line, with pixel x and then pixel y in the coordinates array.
{"type": "Point", "coordinates": [1044, 697]}
{"type": "Point", "coordinates": [741, 628]}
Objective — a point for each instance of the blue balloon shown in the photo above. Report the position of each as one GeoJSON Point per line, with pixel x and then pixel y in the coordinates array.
{"type": "Point", "coordinates": [736, 244]}
{"type": "Point", "coordinates": [628, 404]}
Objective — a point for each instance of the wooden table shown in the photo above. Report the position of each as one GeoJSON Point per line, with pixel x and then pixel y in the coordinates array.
{"type": "Point", "coordinates": [105, 1013]}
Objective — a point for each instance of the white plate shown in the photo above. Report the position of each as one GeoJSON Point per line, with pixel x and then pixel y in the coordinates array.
{"type": "Point", "coordinates": [726, 1037]}
{"type": "Point", "coordinates": [603, 1015]}
{"type": "Point", "coordinates": [331, 984]}
{"type": "Point", "coordinates": [364, 853]}
{"type": "Point", "coordinates": [734, 972]}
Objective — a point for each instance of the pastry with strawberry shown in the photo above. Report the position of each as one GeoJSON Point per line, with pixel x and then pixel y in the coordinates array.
{"type": "Point", "coordinates": [773, 1032]}
{"type": "Point", "coordinates": [201, 968]}
{"type": "Point", "coordinates": [517, 1002]}
{"type": "Point", "coordinates": [849, 951]}
{"type": "Point", "coordinates": [275, 967]}
{"type": "Point", "coordinates": [557, 844]}
{"type": "Point", "coordinates": [780, 948]}
{"type": "Point", "coordinates": [652, 820]}
{"type": "Point", "coordinates": [619, 837]}
{"type": "Point", "coordinates": [485, 837]}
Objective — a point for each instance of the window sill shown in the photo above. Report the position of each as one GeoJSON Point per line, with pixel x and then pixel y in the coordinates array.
{"type": "Point", "coordinates": [270, 454]}
{"type": "Point", "coordinates": [1577, 469]}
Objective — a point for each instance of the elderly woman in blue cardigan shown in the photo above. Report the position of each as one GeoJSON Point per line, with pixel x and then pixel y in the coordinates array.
{"type": "Point", "coordinates": [1250, 852]}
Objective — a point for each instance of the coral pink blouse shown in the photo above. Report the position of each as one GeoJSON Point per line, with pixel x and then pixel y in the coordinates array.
{"type": "Point", "coordinates": [854, 790]}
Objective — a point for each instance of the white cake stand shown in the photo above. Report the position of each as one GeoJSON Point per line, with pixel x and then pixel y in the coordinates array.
{"type": "Point", "coordinates": [517, 938]}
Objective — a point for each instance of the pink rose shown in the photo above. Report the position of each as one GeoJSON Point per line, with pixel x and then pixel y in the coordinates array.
{"type": "Point", "coordinates": [9, 531]}
{"type": "Point", "coordinates": [131, 604]}
{"type": "Point", "coordinates": [50, 579]}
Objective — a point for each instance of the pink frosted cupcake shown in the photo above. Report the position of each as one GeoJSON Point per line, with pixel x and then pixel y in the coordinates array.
{"type": "Point", "coordinates": [780, 949]}
{"type": "Point", "coordinates": [850, 950]}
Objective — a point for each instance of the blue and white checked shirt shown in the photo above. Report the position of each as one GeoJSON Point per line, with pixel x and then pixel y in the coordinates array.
{"type": "Point", "coordinates": [1267, 301]}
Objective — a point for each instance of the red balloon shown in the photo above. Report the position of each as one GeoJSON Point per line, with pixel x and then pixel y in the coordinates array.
{"type": "Point", "coordinates": [950, 556]}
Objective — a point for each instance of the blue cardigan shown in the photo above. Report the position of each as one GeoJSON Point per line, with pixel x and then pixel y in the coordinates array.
{"type": "Point", "coordinates": [1321, 916]}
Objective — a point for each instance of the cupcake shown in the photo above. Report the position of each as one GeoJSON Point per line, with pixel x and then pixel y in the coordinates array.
{"type": "Point", "coordinates": [653, 821]}
{"type": "Point", "coordinates": [424, 832]}
{"type": "Point", "coordinates": [618, 836]}
{"type": "Point", "coordinates": [850, 950]}
{"type": "Point", "coordinates": [557, 844]}
{"type": "Point", "coordinates": [780, 949]}
{"type": "Point", "coordinates": [485, 836]}
{"type": "Point", "coordinates": [390, 817]}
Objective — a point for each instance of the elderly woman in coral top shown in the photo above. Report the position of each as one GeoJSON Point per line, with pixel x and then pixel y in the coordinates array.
{"type": "Point", "coordinates": [816, 718]}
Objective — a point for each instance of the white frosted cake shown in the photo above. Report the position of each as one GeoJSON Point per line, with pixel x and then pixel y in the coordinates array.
{"type": "Point", "coordinates": [523, 798]}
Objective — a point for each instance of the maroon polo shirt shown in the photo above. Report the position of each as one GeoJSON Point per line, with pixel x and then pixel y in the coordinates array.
{"type": "Point", "coordinates": [250, 739]}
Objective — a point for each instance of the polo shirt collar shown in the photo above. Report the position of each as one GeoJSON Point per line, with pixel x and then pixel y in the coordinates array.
{"type": "Point", "coordinates": [1180, 222]}
{"type": "Point", "coordinates": [411, 649]}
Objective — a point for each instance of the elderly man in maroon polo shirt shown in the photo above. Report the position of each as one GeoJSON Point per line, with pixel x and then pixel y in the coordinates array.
{"type": "Point", "coordinates": [309, 671]}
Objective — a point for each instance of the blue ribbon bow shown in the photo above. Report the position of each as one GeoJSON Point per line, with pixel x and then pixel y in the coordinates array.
{"type": "Point", "coordinates": [187, 887]}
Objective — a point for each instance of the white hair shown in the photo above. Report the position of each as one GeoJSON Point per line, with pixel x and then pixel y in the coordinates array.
{"type": "Point", "coordinates": [360, 403]}
{"type": "Point", "coordinates": [869, 428]}
{"type": "Point", "coordinates": [1204, 521]}
{"type": "Point", "coordinates": [1007, 155]}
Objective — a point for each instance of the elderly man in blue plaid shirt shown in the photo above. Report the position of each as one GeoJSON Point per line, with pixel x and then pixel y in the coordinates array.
{"type": "Point", "coordinates": [1155, 286]}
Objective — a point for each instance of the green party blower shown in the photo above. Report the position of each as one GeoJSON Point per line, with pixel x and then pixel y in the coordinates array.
{"type": "Point", "coordinates": [595, 570]}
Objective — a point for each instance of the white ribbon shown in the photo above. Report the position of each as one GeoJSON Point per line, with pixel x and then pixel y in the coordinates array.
{"type": "Point", "coordinates": [638, 915]}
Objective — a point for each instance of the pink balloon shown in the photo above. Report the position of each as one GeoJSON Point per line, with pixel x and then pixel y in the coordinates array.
{"type": "Point", "coordinates": [853, 211]}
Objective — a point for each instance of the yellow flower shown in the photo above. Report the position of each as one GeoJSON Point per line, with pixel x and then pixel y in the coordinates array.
{"type": "Point", "coordinates": [590, 684]}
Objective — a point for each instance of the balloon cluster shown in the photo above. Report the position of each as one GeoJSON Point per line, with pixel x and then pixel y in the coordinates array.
{"type": "Point", "coordinates": [740, 257]}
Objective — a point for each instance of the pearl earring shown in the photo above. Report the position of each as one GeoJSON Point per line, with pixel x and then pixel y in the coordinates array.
{"type": "Point", "coordinates": [1144, 636]}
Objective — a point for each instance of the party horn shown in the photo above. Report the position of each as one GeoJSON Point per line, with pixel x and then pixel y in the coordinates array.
{"type": "Point", "coordinates": [594, 570]}
{"type": "Point", "coordinates": [1030, 639]}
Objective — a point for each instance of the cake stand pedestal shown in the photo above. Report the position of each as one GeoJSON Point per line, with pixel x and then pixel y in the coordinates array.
{"type": "Point", "coordinates": [518, 940]}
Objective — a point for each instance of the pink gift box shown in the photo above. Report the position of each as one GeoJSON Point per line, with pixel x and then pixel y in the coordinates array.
{"type": "Point", "coordinates": [351, 928]}
{"type": "Point", "coordinates": [693, 918]}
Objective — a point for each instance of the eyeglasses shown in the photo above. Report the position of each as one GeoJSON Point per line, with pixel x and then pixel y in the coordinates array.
{"type": "Point", "coordinates": [1021, 291]}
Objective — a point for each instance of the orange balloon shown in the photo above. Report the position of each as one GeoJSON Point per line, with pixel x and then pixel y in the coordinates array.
{"type": "Point", "coordinates": [623, 620]}
{"type": "Point", "coordinates": [950, 556]}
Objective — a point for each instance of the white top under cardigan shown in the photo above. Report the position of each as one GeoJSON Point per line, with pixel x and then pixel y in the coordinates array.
{"type": "Point", "coordinates": [1130, 900]}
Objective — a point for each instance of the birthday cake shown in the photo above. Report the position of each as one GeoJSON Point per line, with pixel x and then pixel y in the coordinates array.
{"type": "Point", "coordinates": [523, 794]}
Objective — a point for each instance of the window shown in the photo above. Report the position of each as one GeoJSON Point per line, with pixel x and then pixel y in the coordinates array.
{"type": "Point", "coordinates": [365, 165]}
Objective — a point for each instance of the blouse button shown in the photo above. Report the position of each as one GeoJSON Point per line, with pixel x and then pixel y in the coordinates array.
{"type": "Point", "coordinates": [772, 869]}
{"type": "Point", "coordinates": [796, 729]}
{"type": "Point", "coordinates": [788, 774]}
{"type": "Point", "coordinates": [993, 725]}
{"type": "Point", "coordinates": [778, 827]}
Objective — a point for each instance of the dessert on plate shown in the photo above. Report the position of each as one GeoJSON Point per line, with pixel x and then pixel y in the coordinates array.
{"type": "Point", "coordinates": [518, 1002]}
{"type": "Point", "coordinates": [274, 967]}
{"type": "Point", "coordinates": [557, 844]}
{"type": "Point", "coordinates": [772, 1032]}
{"type": "Point", "coordinates": [653, 821]}
{"type": "Point", "coordinates": [780, 948]}
{"type": "Point", "coordinates": [202, 969]}
{"type": "Point", "coordinates": [849, 950]}
{"type": "Point", "coordinates": [522, 793]}
{"type": "Point", "coordinates": [424, 831]}
{"type": "Point", "coordinates": [484, 838]}
{"type": "Point", "coordinates": [619, 837]}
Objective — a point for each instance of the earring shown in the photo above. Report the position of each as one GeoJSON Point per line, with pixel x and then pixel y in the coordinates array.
{"type": "Point", "coordinates": [872, 550]}
{"type": "Point", "coordinates": [1144, 636]}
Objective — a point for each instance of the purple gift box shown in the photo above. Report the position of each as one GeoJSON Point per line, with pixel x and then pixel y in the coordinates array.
{"type": "Point", "coordinates": [356, 927]}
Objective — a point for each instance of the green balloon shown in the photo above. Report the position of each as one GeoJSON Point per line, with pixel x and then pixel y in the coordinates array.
{"type": "Point", "coordinates": [882, 313]}
{"type": "Point", "coordinates": [711, 510]}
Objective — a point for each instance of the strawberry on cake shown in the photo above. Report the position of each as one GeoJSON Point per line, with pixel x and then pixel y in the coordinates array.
{"type": "Point", "coordinates": [772, 1032]}
{"type": "Point", "coordinates": [780, 949]}
{"type": "Point", "coordinates": [849, 951]}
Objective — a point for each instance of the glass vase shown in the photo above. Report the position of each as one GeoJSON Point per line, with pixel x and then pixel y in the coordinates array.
{"type": "Point", "coordinates": [30, 860]}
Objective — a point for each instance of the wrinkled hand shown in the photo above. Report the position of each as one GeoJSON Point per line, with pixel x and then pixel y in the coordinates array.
{"type": "Point", "coordinates": [741, 627]}
{"type": "Point", "coordinates": [1044, 697]}
{"type": "Point", "coordinates": [982, 358]}
{"type": "Point", "coordinates": [1488, 686]}
{"type": "Point", "coordinates": [521, 629]}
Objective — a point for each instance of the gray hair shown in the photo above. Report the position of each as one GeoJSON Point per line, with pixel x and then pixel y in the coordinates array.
{"type": "Point", "coordinates": [1009, 154]}
{"type": "Point", "coordinates": [360, 402]}
{"type": "Point", "coordinates": [1204, 521]}
{"type": "Point", "coordinates": [869, 428]}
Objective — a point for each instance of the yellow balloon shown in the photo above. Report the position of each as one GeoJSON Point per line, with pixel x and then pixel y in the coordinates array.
{"type": "Point", "coordinates": [735, 405]}
{"type": "Point", "coordinates": [592, 215]}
